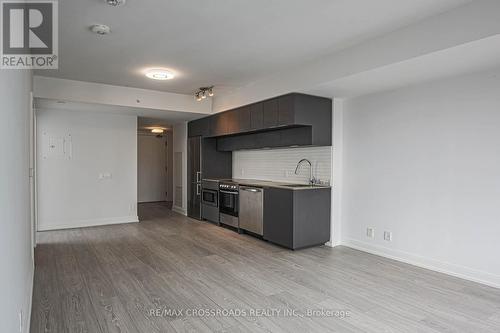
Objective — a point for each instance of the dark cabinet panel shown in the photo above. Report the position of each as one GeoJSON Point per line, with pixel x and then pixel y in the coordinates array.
{"type": "Point", "coordinates": [231, 122]}
{"type": "Point", "coordinates": [297, 136]}
{"type": "Point", "coordinates": [287, 137]}
{"type": "Point", "coordinates": [270, 113]}
{"type": "Point", "coordinates": [215, 164]}
{"type": "Point", "coordinates": [199, 127]}
{"type": "Point", "coordinates": [297, 219]}
{"type": "Point", "coordinates": [244, 119]}
{"type": "Point", "coordinates": [278, 216]}
{"type": "Point", "coordinates": [257, 116]}
{"type": "Point", "coordinates": [217, 124]}
{"type": "Point", "coordinates": [269, 139]}
{"type": "Point", "coordinates": [310, 113]}
{"type": "Point", "coordinates": [286, 110]}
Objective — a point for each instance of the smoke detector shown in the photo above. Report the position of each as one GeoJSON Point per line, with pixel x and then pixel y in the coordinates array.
{"type": "Point", "coordinates": [115, 3]}
{"type": "Point", "coordinates": [100, 29]}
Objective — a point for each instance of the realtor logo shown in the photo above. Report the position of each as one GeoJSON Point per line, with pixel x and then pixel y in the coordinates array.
{"type": "Point", "coordinates": [29, 37]}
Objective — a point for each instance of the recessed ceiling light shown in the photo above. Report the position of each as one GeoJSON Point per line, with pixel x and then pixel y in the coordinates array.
{"type": "Point", "coordinates": [157, 130]}
{"type": "Point", "coordinates": [115, 3]}
{"type": "Point", "coordinates": [160, 74]}
{"type": "Point", "coordinates": [100, 29]}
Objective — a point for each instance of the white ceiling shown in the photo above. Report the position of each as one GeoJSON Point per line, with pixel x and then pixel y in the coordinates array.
{"type": "Point", "coordinates": [466, 58]}
{"type": "Point", "coordinates": [229, 43]}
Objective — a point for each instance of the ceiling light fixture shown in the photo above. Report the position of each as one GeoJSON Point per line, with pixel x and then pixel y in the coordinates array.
{"type": "Point", "coordinates": [115, 3]}
{"type": "Point", "coordinates": [100, 29]}
{"type": "Point", "coordinates": [160, 74]}
{"type": "Point", "coordinates": [157, 130]}
{"type": "Point", "coordinates": [203, 92]}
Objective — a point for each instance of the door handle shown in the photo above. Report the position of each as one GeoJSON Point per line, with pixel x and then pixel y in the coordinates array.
{"type": "Point", "coordinates": [250, 189]}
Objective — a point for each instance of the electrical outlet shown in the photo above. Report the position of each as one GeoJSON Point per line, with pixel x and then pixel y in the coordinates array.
{"type": "Point", "coordinates": [388, 236]}
{"type": "Point", "coordinates": [370, 232]}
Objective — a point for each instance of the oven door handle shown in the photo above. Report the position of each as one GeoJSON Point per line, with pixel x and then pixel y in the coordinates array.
{"type": "Point", "coordinates": [228, 192]}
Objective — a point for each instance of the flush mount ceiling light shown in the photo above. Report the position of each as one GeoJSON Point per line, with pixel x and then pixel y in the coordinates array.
{"type": "Point", "coordinates": [160, 74]}
{"type": "Point", "coordinates": [157, 130]}
{"type": "Point", "coordinates": [203, 92]}
{"type": "Point", "coordinates": [100, 29]}
{"type": "Point", "coordinates": [115, 3]}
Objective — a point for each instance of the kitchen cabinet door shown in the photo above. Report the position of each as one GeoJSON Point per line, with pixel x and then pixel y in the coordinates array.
{"type": "Point", "coordinates": [286, 114]}
{"type": "Point", "coordinates": [256, 116]}
{"type": "Point", "coordinates": [270, 113]}
{"type": "Point", "coordinates": [199, 127]}
{"type": "Point", "coordinates": [231, 121]}
{"type": "Point", "coordinates": [244, 119]}
{"type": "Point", "coordinates": [278, 216]}
{"type": "Point", "coordinates": [217, 125]}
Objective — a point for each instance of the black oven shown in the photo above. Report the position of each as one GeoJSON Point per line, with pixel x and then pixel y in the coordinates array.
{"type": "Point", "coordinates": [210, 197]}
{"type": "Point", "coordinates": [228, 199]}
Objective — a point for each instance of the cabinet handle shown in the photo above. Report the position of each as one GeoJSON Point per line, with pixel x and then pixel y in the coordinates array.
{"type": "Point", "coordinates": [251, 189]}
{"type": "Point", "coordinates": [198, 176]}
{"type": "Point", "coordinates": [198, 189]}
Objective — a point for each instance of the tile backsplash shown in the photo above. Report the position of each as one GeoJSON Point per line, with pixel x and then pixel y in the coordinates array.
{"type": "Point", "coordinates": [279, 164]}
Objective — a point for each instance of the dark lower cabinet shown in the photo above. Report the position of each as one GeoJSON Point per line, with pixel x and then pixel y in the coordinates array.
{"type": "Point", "coordinates": [297, 219]}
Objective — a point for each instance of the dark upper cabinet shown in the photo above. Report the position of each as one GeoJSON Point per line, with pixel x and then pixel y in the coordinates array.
{"type": "Point", "coordinates": [270, 113]}
{"type": "Point", "coordinates": [286, 110]}
{"type": "Point", "coordinates": [199, 127]}
{"type": "Point", "coordinates": [257, 116]}
{"type": "Point", "coordinates": [231, 120]}
{"type": "Point", "coordinates": [287, 137]}
{"type": "Point", "coordinates": [244, 119]}
{"type": "Point", "coordinates": [217, 125]}
{"type": "Point", "coordinates": [284, 113]}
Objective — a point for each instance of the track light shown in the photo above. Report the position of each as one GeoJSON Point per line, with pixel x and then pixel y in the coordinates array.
{"type": "Point", "coordinates": [203, 92]}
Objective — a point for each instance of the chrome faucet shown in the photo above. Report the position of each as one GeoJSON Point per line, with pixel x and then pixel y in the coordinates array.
{"type": "Point", "coordinates": [311, 178]}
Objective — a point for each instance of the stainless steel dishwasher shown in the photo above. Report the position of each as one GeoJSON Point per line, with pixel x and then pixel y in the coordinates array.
{"type": "Point", "coordinates": [252, 209]}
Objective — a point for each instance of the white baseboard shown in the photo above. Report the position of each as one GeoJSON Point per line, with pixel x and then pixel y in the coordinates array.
{"type": "Point", "coordinates": [463, 272]}
{"type": "Point", "coordinates": [86, 223]}
{"type": "Point", "coordinates": [179, 210]}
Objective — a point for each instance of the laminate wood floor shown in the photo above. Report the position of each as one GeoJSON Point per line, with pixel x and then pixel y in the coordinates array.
{"type": "Point", "coordinates": [170, 273]}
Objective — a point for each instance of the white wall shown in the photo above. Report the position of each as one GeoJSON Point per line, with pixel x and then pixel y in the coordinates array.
{"type": "Point", "coordinates": [280, 164]}
{"type": "Point", "coordinates": [180, 168]}
{"type": "Point", "coordinates": [170, 166]}
{"type": "Point", "coordinates": [16, 272]}
{"type": "Point", "coordinates": [424, 163]}
{"type": "Point", "coordinates": [151, 168]}
{"type": "Point", "coordinates": [70, 191]}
